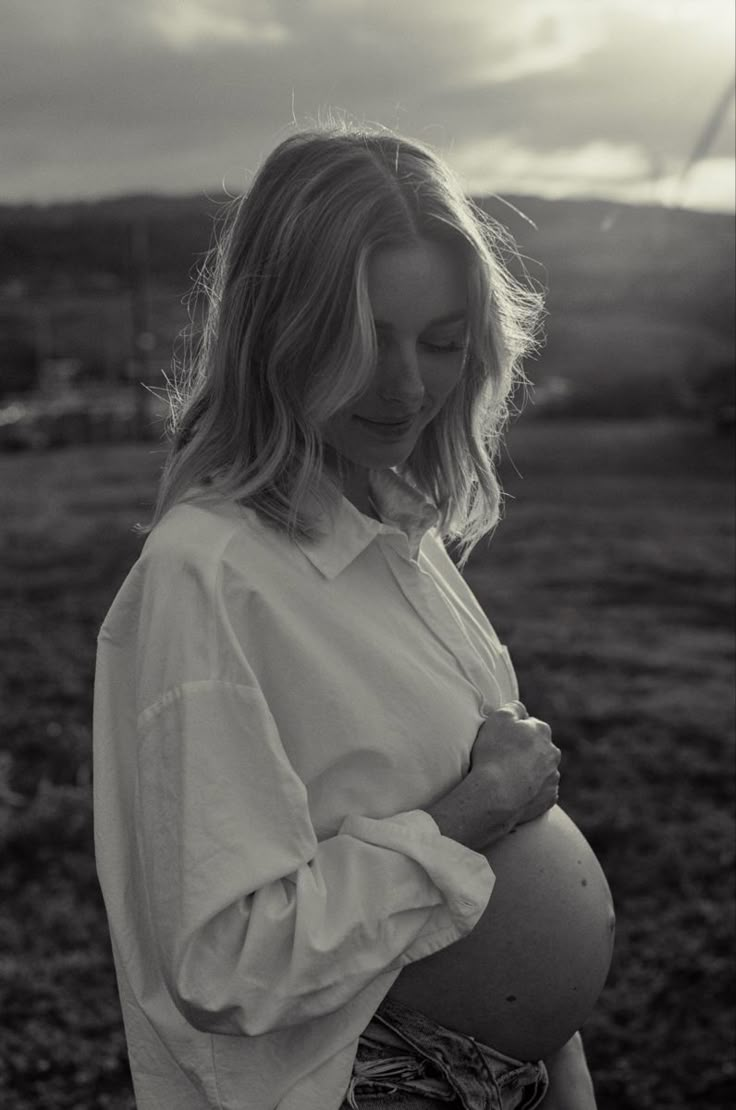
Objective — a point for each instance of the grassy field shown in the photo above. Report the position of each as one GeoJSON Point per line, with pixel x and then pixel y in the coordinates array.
{"type": "Point", "coordinates": [611, 579]}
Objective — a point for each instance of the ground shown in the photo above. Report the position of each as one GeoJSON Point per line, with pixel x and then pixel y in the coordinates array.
{"type": "Point", "coordinates": [611, 580]}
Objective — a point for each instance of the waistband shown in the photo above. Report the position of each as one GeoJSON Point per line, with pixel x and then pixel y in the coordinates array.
{"type": "Point", "coordinates": [460, 1067]}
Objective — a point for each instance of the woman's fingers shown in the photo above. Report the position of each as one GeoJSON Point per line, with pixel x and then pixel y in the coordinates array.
{"type": "Point", "coordinates": [516, 708]}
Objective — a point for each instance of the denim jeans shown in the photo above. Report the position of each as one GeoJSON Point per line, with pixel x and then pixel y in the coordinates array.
{"type": "Point", "coordinates": [405, 1061]}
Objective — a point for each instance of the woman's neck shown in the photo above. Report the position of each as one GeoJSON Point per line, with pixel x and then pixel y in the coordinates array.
{"type": "Point", "coordinates": [355, 485]}
{"type": "Point", "coordinates": [356, 488]}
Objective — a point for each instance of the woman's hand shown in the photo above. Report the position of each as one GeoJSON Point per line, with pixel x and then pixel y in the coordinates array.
{"type": "Point", "coordinates": [516, 752]}
{"type": "Point", "coordinates": [513, 778]}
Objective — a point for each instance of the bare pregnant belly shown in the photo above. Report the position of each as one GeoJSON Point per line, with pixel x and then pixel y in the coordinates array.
{"type": "Point", "coordinates": [529, 974]}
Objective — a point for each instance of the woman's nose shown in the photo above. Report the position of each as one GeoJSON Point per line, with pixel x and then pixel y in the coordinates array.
{"type": "Point", "coordinates": [400, 379]}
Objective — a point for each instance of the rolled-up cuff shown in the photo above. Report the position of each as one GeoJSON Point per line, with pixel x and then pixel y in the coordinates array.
{"type": "Point", "coordinates": [464, 877]}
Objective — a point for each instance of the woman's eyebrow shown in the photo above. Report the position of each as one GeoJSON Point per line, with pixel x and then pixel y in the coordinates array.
{"type": "Point", "coordinates": [449, 318]}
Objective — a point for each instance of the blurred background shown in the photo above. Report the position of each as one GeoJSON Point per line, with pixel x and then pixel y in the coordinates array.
{"type": "Point", "coordinates": [601, 132]}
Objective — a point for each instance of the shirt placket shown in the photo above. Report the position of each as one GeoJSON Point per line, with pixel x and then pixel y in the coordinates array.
{"type": "Point", "coordinates": [503, 670]}
{"type": "Point", "coordinates": [428, 602]}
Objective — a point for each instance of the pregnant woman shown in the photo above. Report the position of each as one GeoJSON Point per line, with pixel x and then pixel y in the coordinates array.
{"type": "Point", "coordinates": [326, 832]}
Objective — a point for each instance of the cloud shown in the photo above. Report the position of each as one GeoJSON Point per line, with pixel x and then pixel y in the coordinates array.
{"type": "Point", "coordinates": [647, 83]}
{"type": "Point", "coordinates": [710, 184]}
{"type": "Point", "coordinates": [597, 169]}
{"type": "Point", "coordinates": [103, 97]}
{"type": "Point", "coordinates": [499, 165]}
{"type": "Point", "coordinates": [185, 24]}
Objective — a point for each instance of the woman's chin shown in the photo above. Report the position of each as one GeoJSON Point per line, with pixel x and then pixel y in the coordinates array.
{"type": "Point", "coordinates": [381, 456]}
{"type": "Point", "coordinates": [387, 458]}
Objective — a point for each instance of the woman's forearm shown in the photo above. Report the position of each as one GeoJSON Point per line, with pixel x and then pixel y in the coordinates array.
{"type": "Point", "coordinates": [570, 1083]}
{"type": "Point", "coordinates": [471, 813]}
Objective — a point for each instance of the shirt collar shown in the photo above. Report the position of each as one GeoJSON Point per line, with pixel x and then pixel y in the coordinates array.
{"type": "Point", "coordinates": [401, 508]}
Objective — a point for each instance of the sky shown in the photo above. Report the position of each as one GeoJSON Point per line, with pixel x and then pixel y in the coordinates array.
{"type": "Point", "coordinates": [605, 98]}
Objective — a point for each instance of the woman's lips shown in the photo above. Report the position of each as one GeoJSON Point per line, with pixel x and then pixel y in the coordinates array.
{"type": "Point", "coordinates": [388, 429]}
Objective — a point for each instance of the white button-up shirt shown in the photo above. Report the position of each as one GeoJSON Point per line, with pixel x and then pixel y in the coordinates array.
{"type": "Point", "coordinates": [271, 720]}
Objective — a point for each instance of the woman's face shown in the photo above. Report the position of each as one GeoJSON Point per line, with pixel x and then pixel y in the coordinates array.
{"type": "Point", "coordinates": [418, 297]}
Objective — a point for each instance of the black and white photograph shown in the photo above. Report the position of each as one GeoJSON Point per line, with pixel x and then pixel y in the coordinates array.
{"type": "Point", "coordinates": [367, 515]}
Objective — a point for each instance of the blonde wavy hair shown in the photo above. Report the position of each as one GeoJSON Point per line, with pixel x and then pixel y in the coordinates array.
{"type": "Point", "coordinates": [288, 337]}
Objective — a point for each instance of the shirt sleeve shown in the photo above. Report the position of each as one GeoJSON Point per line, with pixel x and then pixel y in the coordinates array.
{"type": "Point", "coordinates": [257, 925]}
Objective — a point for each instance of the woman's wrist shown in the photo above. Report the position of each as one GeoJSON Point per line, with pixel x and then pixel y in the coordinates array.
{"type": "Point", "coordinates": [471, 813]}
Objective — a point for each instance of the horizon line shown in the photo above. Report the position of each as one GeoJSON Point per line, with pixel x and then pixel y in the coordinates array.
{"type": "Point", "coordinates": [222, 195]}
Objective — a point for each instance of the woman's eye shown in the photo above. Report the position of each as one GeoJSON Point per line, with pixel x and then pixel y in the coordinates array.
{"type": "Point", "coordinates": [434, 346]}
{"type": "Point", "coordinates": [444, 345]}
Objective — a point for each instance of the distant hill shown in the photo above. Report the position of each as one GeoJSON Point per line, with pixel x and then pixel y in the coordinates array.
{"type": "Point", "coordinates": [639, 298]}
